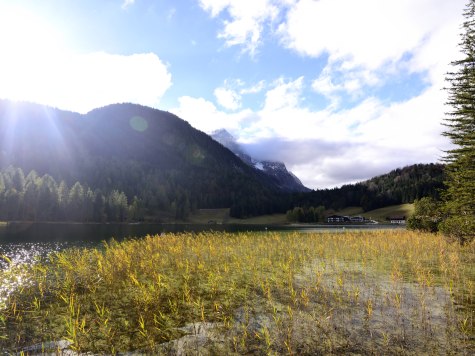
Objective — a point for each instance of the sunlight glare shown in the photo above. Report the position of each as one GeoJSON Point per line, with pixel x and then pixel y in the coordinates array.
{"type": "Point", "coordinates": [39, 64]}
{"type": "Point", "coordinates": [29, 52]}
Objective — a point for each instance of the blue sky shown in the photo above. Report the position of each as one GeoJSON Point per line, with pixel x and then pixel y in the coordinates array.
{"type": "Point", "coordinates": [339, 90]}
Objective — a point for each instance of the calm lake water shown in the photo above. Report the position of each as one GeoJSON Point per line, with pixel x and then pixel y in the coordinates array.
{"type": "Point", "coordinates": [21, 242]}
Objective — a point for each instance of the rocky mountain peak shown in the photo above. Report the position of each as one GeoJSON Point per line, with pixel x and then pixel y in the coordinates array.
{"type": "Point", "coordinates": [286, 179]}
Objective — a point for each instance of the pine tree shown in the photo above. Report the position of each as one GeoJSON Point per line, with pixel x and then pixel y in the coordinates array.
{"type": "Point", "coordinates": [459, 198]}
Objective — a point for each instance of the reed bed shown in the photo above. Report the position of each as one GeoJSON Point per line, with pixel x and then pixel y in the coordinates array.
{"type": "Point", "coordinates": [368, 292]}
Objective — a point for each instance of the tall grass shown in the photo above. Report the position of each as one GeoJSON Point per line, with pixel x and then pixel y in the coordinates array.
{"type": "Point", "coordinates": [388, 292]}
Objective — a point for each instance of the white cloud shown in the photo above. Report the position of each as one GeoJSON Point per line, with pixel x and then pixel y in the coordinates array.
{"type": "Point", "coordinates": [283, 94]}
{"type": "Point", "coordinates": [367, 40]}
{"type": "Point", "coordinates": [247, 20]}
{"type": "Point", "coordinates": [228, 98]}
{"type": "Point", "coordinates": [367, 33]}
{"type": "Point", "coordinates": [324, 85]}
{"type": "Point", "coordinates": [329, 148]}
{"type": "Point", "coordinates": [254, 89]}
{"type": "Point", "coordinates": [206, 117]}
{"type": "Point", "coordinates": [369, 44]}
{"type": "Point", "coordinates": [84, 82]}
{"type": "Point", "coordinates": [127, 3]}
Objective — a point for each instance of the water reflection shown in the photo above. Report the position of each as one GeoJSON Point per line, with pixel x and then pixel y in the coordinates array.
{"type": "Point", "coordinates": [13, 254]}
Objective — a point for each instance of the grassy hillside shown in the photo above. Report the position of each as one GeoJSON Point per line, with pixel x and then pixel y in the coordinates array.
{"type": "Point", "coordinates": [351, 211]}
{"type": "Point", "coordinates": [394, 210]}
{"type": "Point", "coordinates": [379, 214]}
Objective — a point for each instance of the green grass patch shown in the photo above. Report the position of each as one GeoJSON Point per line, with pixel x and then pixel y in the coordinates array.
{"type": "Point", "coordinates": [393, 210]}
{"type": "Point", "coordinates": [391, 292]}
{"type": "Point", "coordinates": [206, 216]}
{"type": "Point", "coordinates": [351, 211]}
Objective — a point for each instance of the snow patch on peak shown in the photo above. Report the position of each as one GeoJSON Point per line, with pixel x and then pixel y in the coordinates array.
{"type": "Point", "coordinates": [259, 165]}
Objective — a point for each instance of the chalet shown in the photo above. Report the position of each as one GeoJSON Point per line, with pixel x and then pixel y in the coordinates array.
{"type": "Point", "coordinates": [357, 219]}
{"type": "Point", "coordinates": [397, 219]}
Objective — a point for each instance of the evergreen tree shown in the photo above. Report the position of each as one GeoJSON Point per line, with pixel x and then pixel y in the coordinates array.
{"type": "Point", "coordinates": [136, 210]}
{"type": "Point", "coordinates": [426, 215]}
{"type": "Point", "coordinates": [63, 200]}
{"type": "Point", "coordinates": [117, 206]}
{"type": "Point", "coordinates": [12, 204]}
{"type": "Point", "coordinates": [459, 198]}
{"type": "Point", "coordinates": [30, 201]}
{"type": "Point", "coordinates": [18, 180]}
{"type": "Point", "coordinates": [99, 207]}
{"type": "Point", "coordinates": [76, 202]}
{"type": "Point", "coordinates": [2, 184]}
{"type": "Point", "coordinates": [47, 201]}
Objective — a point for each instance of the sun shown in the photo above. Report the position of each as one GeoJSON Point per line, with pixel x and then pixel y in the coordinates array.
{"type": "Point", "coordinates": [30, 51]}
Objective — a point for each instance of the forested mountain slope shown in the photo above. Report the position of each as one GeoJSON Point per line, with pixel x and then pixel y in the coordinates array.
{"type": "Point", "coordinates": [151, 157]}
{"type": "Point", "coordinates": [130, 162]}
{"type": "Point", "coordinates": [402, 185]}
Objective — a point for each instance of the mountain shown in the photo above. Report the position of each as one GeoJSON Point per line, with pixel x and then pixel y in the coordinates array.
{"type": "Point", "coordinates": [130, 162]}
{"type": "Point", "coordinates": [122, 154]}
{"type": "Point", "coordinates": [286, 179]}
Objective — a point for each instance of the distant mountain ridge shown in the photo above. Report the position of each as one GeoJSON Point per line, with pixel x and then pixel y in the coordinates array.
{"type": "Point", "coordinates": [151, 156]}
{"type": "Point", "coordinates": [286, 179]}
{"type": "Point", "coordinates": [130, 162]}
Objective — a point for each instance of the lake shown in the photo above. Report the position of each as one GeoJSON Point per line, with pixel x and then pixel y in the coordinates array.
{"type": "Point", "coordinates": [21, 242]}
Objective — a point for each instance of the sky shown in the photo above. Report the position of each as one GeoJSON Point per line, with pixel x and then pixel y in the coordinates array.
{"type": "Point", "coordinates": [338, 90]}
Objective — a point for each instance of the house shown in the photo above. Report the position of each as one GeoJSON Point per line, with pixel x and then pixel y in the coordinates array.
{"type": "Point", "coordinates": [357, 219]}
{"type": "Point", "coordinates": [337, 219]}
{"type": "Point", "coordinates": [397, 219]}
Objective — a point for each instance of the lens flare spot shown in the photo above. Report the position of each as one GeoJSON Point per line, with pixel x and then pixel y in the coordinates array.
{"type": "Point", "coordinates": [138, 123]}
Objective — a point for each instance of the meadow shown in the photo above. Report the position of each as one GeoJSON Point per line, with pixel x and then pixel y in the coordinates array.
{"type": "Point", "coordinates": [366, 292]}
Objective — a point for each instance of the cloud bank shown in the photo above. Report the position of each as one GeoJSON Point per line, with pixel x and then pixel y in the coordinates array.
{"type": "Point", "coordinates": [368, 97]}
{"type": "Point", "coordinates": [84, 82]}
{"type": "Point", "coordinates": [370, 47]}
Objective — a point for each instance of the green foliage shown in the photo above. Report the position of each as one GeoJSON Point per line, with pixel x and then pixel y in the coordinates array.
{"type": "Point", "coordinates": [459, 198]}
{"type": "Point", "coordinates": [426, 215]}
{"type": "Point", "coordinates": [460, 227]}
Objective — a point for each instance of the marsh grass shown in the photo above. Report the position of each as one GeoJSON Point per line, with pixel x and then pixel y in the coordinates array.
{"type": "Point", "coordinates": [391, 292]}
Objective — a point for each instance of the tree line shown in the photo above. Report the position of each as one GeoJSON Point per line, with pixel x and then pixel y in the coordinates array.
{"type": "Point", "coordinates": [42, 198]}
{"type": "Point", "coordinates": [454, 212]}
{"type": "Point", "coordinates": [306, 214]}
{"type": "Point", "coordinates": [400, 186]}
